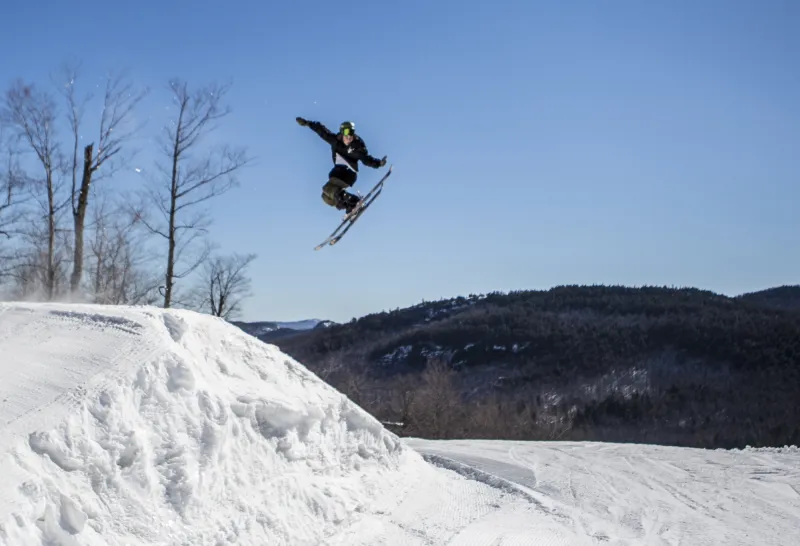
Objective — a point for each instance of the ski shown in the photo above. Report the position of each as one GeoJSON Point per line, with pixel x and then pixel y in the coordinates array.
{"type": "Point", "coordinates": [351, 218]}
{"type": "Point", "coordinates": [338, 237]}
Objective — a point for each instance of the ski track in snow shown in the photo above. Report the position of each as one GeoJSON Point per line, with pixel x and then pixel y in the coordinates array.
{"type": "Point", "coordinates": [140, 426]}
{"type": "Point", "coordinates": [626, 494]}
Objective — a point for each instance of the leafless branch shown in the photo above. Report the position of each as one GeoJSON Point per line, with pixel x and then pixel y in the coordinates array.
{"type": "Point", "coordinates": [119, 103]}
{"type": "Point", "coordinates": [119, 267]}
{"type": "Point", "coordinates": [75, 112]}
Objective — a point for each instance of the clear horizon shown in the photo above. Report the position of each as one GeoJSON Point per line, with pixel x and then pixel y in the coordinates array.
{"type": "Point", "coordinates": [533, 144]}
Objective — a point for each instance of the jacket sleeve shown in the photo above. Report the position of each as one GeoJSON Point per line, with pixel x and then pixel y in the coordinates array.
{"type": "Point", "coordinates": [323, 132]}
{"type": "Point", "coordinates": [362, 154]}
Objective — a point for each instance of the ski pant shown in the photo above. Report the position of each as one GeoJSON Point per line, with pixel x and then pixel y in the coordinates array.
{"type": "Point", "coordinates": [339, 179]}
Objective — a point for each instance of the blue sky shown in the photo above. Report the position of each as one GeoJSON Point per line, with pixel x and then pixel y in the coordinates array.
{"type": "Point", "coordinates": [534, 143]}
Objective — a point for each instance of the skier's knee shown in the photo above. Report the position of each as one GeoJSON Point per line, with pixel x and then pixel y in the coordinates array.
{"type": "Point", "coordinates": [330, 192]}
{"type": "Point", "coordinates": [328, 199]}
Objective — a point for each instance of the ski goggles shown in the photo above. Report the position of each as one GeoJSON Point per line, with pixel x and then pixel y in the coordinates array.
{"type": "Point", "coordinates": [347, 131]}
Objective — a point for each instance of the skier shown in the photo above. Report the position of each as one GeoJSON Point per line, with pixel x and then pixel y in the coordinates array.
{"type": "Point", "coordinates": [347, 148]}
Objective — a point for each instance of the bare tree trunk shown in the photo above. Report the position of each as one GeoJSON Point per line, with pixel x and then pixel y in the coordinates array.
{"type": "Point", "coordinates": [51, 234]}
{"type": "Point", "coordinates": [170, 276]}
{"type": "Point", "coordinates": [98, 272]}
{"type": "Point", "coordinates": [79, 217]}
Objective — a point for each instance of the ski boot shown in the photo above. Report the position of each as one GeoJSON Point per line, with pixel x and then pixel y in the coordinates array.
{"type": "Point", "coordinates": [351, 203]}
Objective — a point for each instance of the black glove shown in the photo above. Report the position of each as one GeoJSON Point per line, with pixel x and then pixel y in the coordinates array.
{"type": "Point", "coordinates": [302, 122]}
{"type": "Point", "coordinates": [383, 161]}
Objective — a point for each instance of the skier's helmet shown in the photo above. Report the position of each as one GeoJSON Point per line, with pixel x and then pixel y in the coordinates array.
{"type": "Point", "coordinates": [347, 128]}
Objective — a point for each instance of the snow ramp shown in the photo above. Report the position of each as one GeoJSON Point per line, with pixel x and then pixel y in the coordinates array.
{"type": "Point", "coordinates": [137, 425]}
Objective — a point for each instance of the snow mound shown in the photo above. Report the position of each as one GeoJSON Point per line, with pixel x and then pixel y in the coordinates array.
{"type": "Point", "coordinates": [135, 425]}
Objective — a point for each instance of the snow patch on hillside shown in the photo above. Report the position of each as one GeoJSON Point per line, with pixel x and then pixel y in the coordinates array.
{"type": "Point", "coordinates": [299, 324]}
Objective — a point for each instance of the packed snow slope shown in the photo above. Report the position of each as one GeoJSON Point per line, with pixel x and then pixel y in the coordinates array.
{"type": "Point", "coordinates": [615, 494]}
{"type": "Point", "coordinates": [145, 426]}
{"type": "Point", "coordinates": [142, 426]}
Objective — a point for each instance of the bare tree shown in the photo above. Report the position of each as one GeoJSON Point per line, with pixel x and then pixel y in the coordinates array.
{"type": "Point", "coordinates": [435, 408]}
{"type": "Point", "coordinates": [118, 263]}
{"type": "Point", "coordinates": [38, 266]}
{"type": "Point", "coordinates": [32, 114]}
{"type": "Point", "coordinates": [119, 102]}
{"type": "Point", "coordinates": [226, 284]}
{"type": "Point", "coordinates": [190, 181]}
{"type": "Point", "coordinates": [13, 195]}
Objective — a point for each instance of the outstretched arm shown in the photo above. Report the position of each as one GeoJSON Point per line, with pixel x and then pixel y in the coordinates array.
{"type": "Point", "coordinates": [323, 132]}
{"type": "Point", "coordinates": [362, 154]}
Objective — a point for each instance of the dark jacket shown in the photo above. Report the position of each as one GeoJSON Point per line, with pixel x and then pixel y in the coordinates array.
{"type": "Point", "coordinates": [349, 154]}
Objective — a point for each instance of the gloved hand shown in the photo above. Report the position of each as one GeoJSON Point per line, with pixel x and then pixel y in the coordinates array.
{"type": "Point", "coordinates": [383, 161]}
{"type": "Point", "coordinates": [302, 122]}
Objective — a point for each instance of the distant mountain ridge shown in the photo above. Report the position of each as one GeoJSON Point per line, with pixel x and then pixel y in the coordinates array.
{"type": "Point", "coordinates": [269, 331]}
{"type": "Point", "coordinates": [681, 366]}
{"type": "Point", "coordinates": [779, 297]}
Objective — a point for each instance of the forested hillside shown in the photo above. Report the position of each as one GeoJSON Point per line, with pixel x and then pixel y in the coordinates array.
{"type": "Point", "coordinates": [660, 365]}
{"type": "Point", "coordinates": [780, 297]}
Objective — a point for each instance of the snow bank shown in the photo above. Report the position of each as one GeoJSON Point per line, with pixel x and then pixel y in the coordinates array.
{"type": "Point", "coordinates": [125, 425]}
